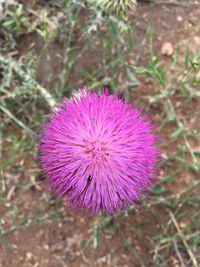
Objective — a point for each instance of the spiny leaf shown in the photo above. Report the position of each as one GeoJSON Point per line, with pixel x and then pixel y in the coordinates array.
{"type": "Point", "coordinates": [119, 8]}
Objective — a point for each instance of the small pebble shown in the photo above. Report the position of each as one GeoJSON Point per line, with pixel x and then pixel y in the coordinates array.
{"type": "Point", "coordinates": [179, 19]}
{"type": "Point", "coordinates": [167, 49]}
{"type": "Point", "coordinates": [29, 255]}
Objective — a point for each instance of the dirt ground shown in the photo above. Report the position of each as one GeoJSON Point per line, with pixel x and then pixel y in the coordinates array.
{"type": "Point", "coordinates": [68, 240]}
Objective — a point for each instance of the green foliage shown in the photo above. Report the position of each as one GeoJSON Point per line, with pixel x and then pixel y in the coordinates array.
{"type": "Point", "coordinates": [167, 92]}
{"type": "Point", "coordinates": [119, 8]}
{"type": "Point", "coordinates": [14, 19]}
{"type": "Point", "coordinates": [153, 70]}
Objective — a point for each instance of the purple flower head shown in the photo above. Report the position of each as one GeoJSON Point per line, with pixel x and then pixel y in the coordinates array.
{"type": "Point", "coordinates": [99, 152]}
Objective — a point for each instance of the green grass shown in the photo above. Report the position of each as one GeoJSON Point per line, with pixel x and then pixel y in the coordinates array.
{"type": "Point", "coordinates": [24, 101]}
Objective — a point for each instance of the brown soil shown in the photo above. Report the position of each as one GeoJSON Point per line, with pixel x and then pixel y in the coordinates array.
{"type": "Point", "coordinates": [63, 243]}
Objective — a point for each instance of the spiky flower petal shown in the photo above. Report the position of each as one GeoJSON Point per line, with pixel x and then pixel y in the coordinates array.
{"type": "Point", "coordinates": [99, 152]}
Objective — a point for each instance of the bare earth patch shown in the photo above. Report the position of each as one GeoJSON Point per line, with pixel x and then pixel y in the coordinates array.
{"type": "Point", "coordinates": [65, 238]}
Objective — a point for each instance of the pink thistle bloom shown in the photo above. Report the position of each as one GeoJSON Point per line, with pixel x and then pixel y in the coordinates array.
{"type": "Point", "coordinates": [99, 153]}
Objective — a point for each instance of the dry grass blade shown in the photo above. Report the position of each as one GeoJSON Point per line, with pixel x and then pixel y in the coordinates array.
{"type": "Point", "coordinates": [17, 121]}
{"type": "Point", "coordinates": [189, 251]}
{"type": "Point", "coordinates": [1, 137]}
{"type": "Point", "coordinates": [178, 254]}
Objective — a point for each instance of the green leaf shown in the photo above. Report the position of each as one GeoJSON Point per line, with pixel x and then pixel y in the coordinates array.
{"type": "Point", "coordinates": [8, 23]}
{"type": "Point", "coordinates": [196, 167]}
{"type": "Point", "coordinates": [39, 117]}
{"type": "Point", "coordinates": [88, 76]}
{"type": "Point", "coordinates": [170, 179]}
{"type": "Point", "coordinates": [113, 28]}
{"type": "Point", "coordinates": [155, 98]}
{"type": "Point", "coordinates": [160, 189]}
{"type": "Point", "coordinates": [177, 133]}
{"type": "Point", "coordinates": [132, 77]}
{"type": "Point", "coordinates": [187, 59]}
{"type": "Point", "coordinates": [7, 163]}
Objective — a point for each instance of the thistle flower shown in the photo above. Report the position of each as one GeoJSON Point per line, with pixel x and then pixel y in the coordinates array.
{"type": "Point", "coordinates": [99, 152]}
